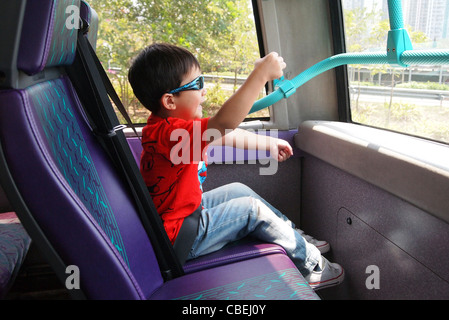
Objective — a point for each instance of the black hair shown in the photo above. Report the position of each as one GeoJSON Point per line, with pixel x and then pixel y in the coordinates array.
{"type": "Point", "coordinates": [156, 70]}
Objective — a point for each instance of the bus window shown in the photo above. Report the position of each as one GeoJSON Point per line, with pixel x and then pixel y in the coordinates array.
{"type": "Point", "coordinates": [222, 35]}
{"type": "Point", "coordinates": [412, 100]}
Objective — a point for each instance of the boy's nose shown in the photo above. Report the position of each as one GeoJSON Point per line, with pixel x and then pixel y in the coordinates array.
{"type": "Point", "coordinates": [204, 91]}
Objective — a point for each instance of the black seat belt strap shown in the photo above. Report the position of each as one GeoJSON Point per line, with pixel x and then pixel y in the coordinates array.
{"type": "Point", "coordinates": [110, 90]}
{"type": "Point", "coordinates": [187, 235]}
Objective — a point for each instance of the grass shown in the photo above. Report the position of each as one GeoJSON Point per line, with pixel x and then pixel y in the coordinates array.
{"type": "Point", "coordinates": [428, 121]}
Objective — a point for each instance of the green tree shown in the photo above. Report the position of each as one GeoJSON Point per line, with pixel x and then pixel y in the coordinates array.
{"type": "Point", "coordinates": [120, 37]}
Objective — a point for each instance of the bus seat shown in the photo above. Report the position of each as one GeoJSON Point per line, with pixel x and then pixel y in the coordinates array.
{"type": "Point", "coordinates": [74, 203]}
{"type": "Point", "coordinates": [14, 245]}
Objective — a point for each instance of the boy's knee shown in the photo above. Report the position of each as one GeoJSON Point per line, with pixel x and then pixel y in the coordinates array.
{"type": "Point", "coordinates": [237, 185]}
{"type": "Point", "coordinates": [241, 188]}
{"type": "Point", "coordinates": [262, 211]}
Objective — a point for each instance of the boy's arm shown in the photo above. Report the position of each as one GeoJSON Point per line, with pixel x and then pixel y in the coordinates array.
{"type": "Point", "coordinates": [236, 108]}
{"type": "Point", "coordinates": [243, 139]}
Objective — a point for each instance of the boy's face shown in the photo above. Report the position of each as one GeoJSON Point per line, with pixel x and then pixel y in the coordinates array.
{"type": "Point", "coordinates": [188, 103]}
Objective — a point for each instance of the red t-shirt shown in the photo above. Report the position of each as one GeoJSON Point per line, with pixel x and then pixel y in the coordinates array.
{"type": "Point", "coordinates": [173, 165]}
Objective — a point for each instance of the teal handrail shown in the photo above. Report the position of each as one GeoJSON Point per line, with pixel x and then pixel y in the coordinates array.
{"type": "Point", "coordinates": [399, 52]}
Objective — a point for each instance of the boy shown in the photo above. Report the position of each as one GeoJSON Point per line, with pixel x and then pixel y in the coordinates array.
{"type": "Point", "coordinates": [167, 81]}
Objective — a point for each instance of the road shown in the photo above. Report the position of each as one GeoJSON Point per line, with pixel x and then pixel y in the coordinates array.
{"type": "Point", "coordinates": [412, 96]}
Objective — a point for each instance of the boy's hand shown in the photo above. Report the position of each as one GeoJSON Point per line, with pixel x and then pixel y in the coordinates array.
{"type": "Point", "coordinates": [270, 66]}
{"type": "Point", "coordinates": [236, 108]}
{"type": "Point", "coordinates": [280, 150]}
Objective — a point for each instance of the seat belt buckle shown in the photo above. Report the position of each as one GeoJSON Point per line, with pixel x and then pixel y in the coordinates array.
{"type": "Point", "coordinates": [111, 132]}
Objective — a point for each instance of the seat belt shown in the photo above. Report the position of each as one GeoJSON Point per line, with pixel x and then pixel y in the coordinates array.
{"type": "Point", "coordinates": [186, 235]}
{"type": "Point", "coordinates": [111, 91]}
{"type": "Point", "coordinates": [87, 79]}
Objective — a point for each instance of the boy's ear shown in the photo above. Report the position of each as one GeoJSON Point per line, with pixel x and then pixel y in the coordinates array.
{"type": "Point", "coordinates": [168, 101]}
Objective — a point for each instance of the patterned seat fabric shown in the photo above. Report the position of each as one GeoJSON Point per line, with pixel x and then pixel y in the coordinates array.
{"type": "Point", "coordinates": [14, 244]}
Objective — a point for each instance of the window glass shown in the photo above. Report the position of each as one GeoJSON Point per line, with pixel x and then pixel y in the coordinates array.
{"type": "Point", "coordinates": [412, 100]}
{"type": "Point", "coordinates": [220, 33]}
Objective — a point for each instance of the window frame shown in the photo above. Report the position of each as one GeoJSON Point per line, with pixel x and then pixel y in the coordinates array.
{"type": "Point", "coordinates": [341, 73]}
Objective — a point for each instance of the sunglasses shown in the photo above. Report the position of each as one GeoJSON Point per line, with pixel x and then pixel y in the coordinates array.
{"type": "Point", "coordinates": [196, 84]}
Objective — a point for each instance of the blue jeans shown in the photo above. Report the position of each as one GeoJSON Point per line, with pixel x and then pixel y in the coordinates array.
{"type": "Point", "coordinates": [234, 211]}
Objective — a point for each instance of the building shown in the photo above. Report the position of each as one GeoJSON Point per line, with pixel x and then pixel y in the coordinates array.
{"type": "Point", "coordinates": [428, 16]}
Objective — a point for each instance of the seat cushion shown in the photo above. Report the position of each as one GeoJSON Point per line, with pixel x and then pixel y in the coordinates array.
{"type": "Point", "coordinates": [271, 277]}
{"type": "Point", "coordinates": [247, 248]}
{"type": "Point", "coordinates": [14, 244]}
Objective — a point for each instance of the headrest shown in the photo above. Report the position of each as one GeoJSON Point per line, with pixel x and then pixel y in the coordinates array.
{"type": "Point", "coordinates": [49, 34]}
{"type": "Point", "coordinates": [91, 16]}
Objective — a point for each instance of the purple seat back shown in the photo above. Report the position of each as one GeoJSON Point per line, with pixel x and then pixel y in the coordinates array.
{"type": "Point", "coordinates": [67, 181]}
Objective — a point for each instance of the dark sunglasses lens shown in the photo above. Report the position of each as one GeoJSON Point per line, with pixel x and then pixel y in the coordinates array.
{"type": "Point", "coordinates": [200, 82]}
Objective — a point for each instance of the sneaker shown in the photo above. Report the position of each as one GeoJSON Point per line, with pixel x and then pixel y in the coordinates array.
{"type": "Point", "coordinates": [325, 274]}
{"type": "Point", "coordinates": [321, 245]}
